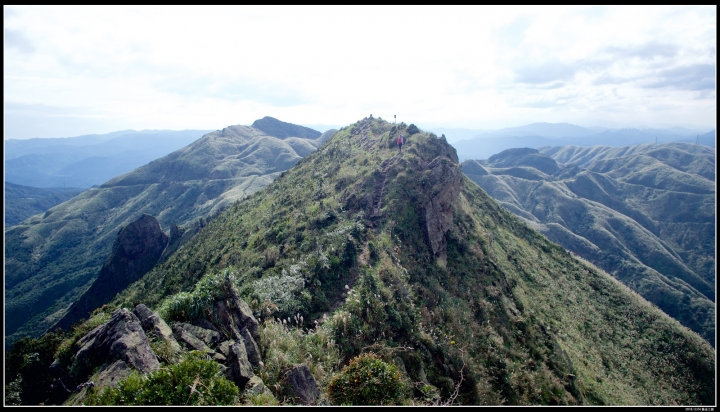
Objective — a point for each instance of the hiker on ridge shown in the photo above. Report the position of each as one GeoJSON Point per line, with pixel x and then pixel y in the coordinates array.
{"type": "Point", "coordinates": [400, 143]}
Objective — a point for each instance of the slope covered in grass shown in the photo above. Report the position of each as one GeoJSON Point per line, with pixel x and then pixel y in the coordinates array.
{"type": "Point", "coordinates": [51, 259]}
{"type": "Point", "coordinates": [645, 214]}
{"type": "Point", "coordinates": [404, 257]}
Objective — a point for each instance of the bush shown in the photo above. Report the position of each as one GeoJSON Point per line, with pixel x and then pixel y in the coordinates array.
{"type": "Point", "coordinates": [367, 380]}
{"type": "Point", "coordinates": [412, 129]}
{"type": "Point", "coordinates": [196, 380]}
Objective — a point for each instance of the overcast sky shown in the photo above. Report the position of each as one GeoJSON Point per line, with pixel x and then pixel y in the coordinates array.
{"type": "Point", "coordinates": [70, 71]}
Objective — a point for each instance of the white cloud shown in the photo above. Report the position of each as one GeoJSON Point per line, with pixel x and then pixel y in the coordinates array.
{"type": "Point", "coordinates": [484, 67]}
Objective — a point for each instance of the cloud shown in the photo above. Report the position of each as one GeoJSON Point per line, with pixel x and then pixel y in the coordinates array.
{"type": "Point", "coordinates": [15, 39]}
{"type": "Point", "coordinates": [693, 77]}
{"type": "Point", "coordinates": [553, 71]}
{"type": "Point", "coordinates": [646, 51]}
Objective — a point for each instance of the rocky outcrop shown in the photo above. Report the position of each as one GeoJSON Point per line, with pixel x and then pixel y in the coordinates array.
{"type": "Point", "coordinates": [121, 345]}
{"type": "Point", "coordinates": [123, 338]}
{"type": "Point", "coordinates": [301, 385]}
{"type": "Point", "coordinates": [137, 249]}
{"type": "Point", "coordinates": [153, 324]}
{"type": "Point", "coordinates": [234, 315]}
{"type": "Point", "coordinates": [240, 370]}
{"type": "Point", "coordinates": [210, 337]}
{"type": "Point", "coordinates": [190, 341]}
{"type": "Point", "coordinates": [443, 177]}
{"type": "Point", "coordinates": [111, 375]}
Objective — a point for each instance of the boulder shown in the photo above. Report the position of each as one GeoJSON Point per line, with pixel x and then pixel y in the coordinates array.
{"type": "Point", "coordinates": [301, 385]}
{"type": "Point", "coordinates": [110, 375]}
{"type": "Point", "coordinates": [224, 347]}
{"type": "Point", "coordinates": [235, 315]}
{"type": "Point", "coordinates": [238, 365]}
{"type": "Point", "coordinates": [152, 323]}
{"type": "Point", "coordinates": [190, 341]}
{"type": "Point", "coordinates": [255, 386]}
{"type": "Point", "coordinates": [210, 337]}
{"type": "Point", "coordinates": [122, 337]}
{"type": "Point", "coordinates": [253, 352]}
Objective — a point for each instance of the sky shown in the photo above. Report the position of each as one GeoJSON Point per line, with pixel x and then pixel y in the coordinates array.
{"type": "Point", "coordinates": [77, 70]}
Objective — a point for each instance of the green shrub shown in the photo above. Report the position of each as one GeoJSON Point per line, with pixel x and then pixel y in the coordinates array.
{"type": "Point", "coordinates": [412, 129]}
{"type": "Point", "coordinates": [188, 306]}
{"type": "Point", "coordinates": [196, 380]}
{"type": "Point", "coordinates": [366, 380]}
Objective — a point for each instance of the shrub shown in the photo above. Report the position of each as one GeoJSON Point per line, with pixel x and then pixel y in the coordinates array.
{"type": "Point", "coordinates": [366, 380]}
{"type": "Point", "coordinates": [412, 129]}
{"type": "Point", "coordinates": [196, 380]}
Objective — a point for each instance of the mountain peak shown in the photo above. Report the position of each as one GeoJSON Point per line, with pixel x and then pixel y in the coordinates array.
{"type": "Point", "coordinates": [282, 130]}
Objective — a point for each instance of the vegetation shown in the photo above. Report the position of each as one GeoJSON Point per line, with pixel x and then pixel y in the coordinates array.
{"type": "Point", "coordinates": [645, 214]}
{"type": "Point", "coordinates": [21, 202]}
{"type": "Point", "coordinates": [196, 380]}
{"type": "Point", "coordinates": [51, 259]}
{"type": "Point", "coordinates": [492, 313]}
{"type": "Point", "coordinates": [366, 380]}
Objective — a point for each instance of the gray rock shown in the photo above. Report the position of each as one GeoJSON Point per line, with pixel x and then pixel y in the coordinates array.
{"type": "Point", "coordinates": [301, 385]}
{"type": "Point", "coordinates": [255, 386]}
{"type": "Point", "coordinates": [110, 375]}
{"type": "Point", "coordinates": [204, 323]}
{"type": "Point", "coordinates": [224, 347]}
{"type": "Point", "coordinates": [210, 337]}
{"type": "Point", "coordinates": [235, 315]}
{"type": "Point", "coordinates": [239, 366]}
{"type": "Point", "coordinates": [253, 352]}
{"type": "Point", "coordinates": [152, 323]}
{"type": "Point", "coordinates": [444, 180]}
{"type": "Point", "coordinates": [190, 341]}
{"type": "Point", "coordinates": [122, 338]}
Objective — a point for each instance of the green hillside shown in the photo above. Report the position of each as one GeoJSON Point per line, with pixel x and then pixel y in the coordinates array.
{"type": "Point", "coordinates": [51, 259]}
{"type": "Point", "coordinates": [645, 214]}
{"type": "Point", "coordinates": [360, 250]}
{"type": "Point", "coordinates": [21, 202]}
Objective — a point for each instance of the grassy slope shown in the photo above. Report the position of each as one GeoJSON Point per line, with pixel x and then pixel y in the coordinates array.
{"type": "Point", "coordinates": [51, 259]}
{"type": "Point", "coordinates": [21, 202]}
{"type": "Point", "coordinates": [511, 316]}
{"type": "Point", "coordinates": [645, 214]}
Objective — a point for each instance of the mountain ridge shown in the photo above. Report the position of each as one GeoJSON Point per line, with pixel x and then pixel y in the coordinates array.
{"type": "Point", "coordinates": [70, 242]}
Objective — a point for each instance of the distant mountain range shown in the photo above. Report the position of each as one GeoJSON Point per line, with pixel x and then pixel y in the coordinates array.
{"type": "Point", "coordinates": [89, 160]}
{"type": "Point", "coordinates": [645, 214]}
{"type": "Point", "coordinates": [52, 258]}
{"type": "Point", "coordinates": [481, 144]}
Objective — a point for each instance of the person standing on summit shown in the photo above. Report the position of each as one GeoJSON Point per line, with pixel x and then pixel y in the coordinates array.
{"type": "Point", "coordinates": [400, 143]}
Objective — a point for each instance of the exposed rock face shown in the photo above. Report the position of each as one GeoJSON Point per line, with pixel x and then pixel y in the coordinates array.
{"type": "Point", "coordinates": [137, 249]}
{"type": "Point", "coordinates": [191, 341]}
{"type": "Point", "coordinates": [256, 386]}
{"type": "Point", "coordinates": [444, 179]}
{"type": "Point", "coordinates": [112, 374]}
{"type": "Point", "coordinates": [235, 315]}
{"type": "Point", "coordinates": [152, 323]}
{"type": "Point", "coordinates": [208, 336]}
{"type": "Point", "coordinates": [121, 338]}
{"type": "Point", "coordinates": [253, 352]}
{"type": "Point", "coordinates": [301, 385]}
{"type": "Point", "coordinates": [239, 367]}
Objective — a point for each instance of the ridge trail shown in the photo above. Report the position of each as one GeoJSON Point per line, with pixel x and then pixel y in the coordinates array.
{"type": "Point", "coordinates": [380, 187]}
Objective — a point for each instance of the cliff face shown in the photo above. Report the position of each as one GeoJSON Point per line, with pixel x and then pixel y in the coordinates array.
{"type": "Point", "coordinates": [444, 178]}
{"type": "Point", "coordinates": [137, 249]}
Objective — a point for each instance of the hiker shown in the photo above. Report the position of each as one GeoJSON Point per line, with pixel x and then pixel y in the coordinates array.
{"type": "Point", "coordinates": [400, 143]}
